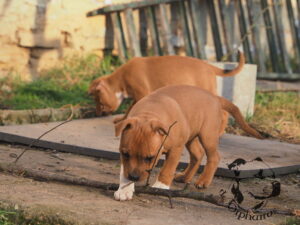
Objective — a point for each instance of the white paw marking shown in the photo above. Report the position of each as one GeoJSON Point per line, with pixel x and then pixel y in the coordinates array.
{"type": "Point", "coordinates": [120, 97]}
{"type": "Point", "coordinates": [160, 185]}
{"type": "Point", "coordinates": [126, 188]}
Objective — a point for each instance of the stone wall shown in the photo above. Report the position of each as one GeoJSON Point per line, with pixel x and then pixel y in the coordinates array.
{"type": "Point", "coordinates": [35, 34]}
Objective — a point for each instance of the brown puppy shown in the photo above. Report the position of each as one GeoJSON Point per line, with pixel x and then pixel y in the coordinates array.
{"type": "Point", "coordinates": [142, 75]}
{"type": "Point", "coordinates": [198, 115]}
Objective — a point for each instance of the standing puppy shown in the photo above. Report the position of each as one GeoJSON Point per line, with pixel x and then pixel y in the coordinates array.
{"type": "Point", "coordinates": [142, 75]}
{"type": "Point", "coordinates": [198, 116]}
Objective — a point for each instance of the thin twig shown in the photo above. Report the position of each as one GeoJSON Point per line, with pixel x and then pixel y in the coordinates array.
{"type": "Point", "coordinates": [200, 196]}
{"type": "Point", "coordinates": [158, 152]}
{"type": "Point", "coordinates": [37, 139]}
{"type": "Point", "coordinates": [249, 30]}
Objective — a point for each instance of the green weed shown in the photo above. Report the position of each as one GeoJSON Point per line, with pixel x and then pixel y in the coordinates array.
{"type": "Point", "coordinates": [277, 113]}
{"type": "Point", "coordinates": [56, 87]}
{"type": "Point", "coordinates": [12, 216]}
{"type": "Point", "coordinates": [291, 221]}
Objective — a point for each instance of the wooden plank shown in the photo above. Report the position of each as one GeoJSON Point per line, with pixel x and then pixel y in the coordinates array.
{"type": "Point", "coordinates": [294, 32]}
{"type": "Point", "coordinates": [243, 30]}
{"type": "Point", "coordinates": [270, 35]}
{"type": "Point", "coordinates": [215, 29]}
{"type": "Point", "coordinates": [119, 32]}
{"type": "Point", "coordinates": [185, 27]}
{"type": "Point", "coordinates": [194, 8]}
{"type": "Point", "coordinates": [143, 31]}
{"type": "Point", "coordinates": [134, 42]}
{"type": "Point", "coordinates": [175, 24]}
{"type": "Point", "coordinates": [298, 9]}
{"type": "Point", "coordinates": [166, 30]}
{"type": "Point", "coordinates": [279, 76]}
{"type": "Point", "coordinates": [277, 9]}
{"type": "Point", "coordinates": [109, 36]}
{"type": "Point", "coordinates": [224, 25]}
{"type": "Point", "coordinates": [231, 24]}
{"type": "Point", "coordinates": [203, 14]}
{"type": "Point", "coordinates": [133, 5]}
{"type": "Point", "coordinates": [151, 18]}
{"type": "Point", "coordinates": [190, 28]}
{"type": "Point", "coordinates": [259, 55]}
{"type": "Point", "coordinates": [176, 27]}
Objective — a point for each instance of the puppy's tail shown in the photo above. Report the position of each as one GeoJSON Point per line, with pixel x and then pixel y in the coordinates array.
{"type": "Point", "coordinates": [228, 73]}
{"type": "Point", "coordinates": [236, 113]}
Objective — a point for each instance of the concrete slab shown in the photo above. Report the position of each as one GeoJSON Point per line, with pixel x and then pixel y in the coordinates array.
{"type": "Point", "coordinates": [95, 137]}
{"type": "Point", "coordinates": [239, 89]}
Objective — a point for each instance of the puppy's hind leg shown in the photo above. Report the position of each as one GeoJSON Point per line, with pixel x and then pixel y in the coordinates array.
{"type": "Point", "coordinates": [196, 151]}
{"type": "Point", "coordinates": [209, 142]}
{"type": "Point", "coordinates": [225, 116]}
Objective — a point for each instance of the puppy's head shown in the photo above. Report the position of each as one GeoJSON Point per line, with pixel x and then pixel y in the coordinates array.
{"type": "Point", "coordinates": [139, 146]}
{"type": "Point", "coordinates": [105, 98]}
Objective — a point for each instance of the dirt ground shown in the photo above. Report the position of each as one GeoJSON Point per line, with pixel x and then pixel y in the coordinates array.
{"type": "Point", "coordinates": [84, 205]}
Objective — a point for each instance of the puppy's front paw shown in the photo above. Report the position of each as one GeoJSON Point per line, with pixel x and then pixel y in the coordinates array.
{"type": "Point", "coordinates": [203, 182]}
{"type": "Point", "coordinates": [160, 185]}
{"type": "Point", "coordinates": [180, 178]}
{"type": "Point", "coordinates": [125, 193]}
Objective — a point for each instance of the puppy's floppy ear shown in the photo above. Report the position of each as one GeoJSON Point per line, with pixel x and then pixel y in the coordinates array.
{"type": "Point", "coordinates": [93, 86]}
{"type": "Point", "coordinates": [103, 87]}
{"type": "Point", "coordinates": [124, 125]}
{"type": "Point", "coordinates": [100, 86]}
{"type": "Point", "coordinates": [159, 127]}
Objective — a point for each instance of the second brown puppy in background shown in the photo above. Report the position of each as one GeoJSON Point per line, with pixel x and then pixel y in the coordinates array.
{"type": "Point", "coordinates": [142, 75]}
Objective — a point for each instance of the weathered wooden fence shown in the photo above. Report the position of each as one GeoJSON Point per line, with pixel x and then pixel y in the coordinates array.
{"type": "Point", "coordinates": [268, 31]}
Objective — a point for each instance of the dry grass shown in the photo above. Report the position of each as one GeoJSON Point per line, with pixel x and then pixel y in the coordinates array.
{"type": "Point", "coordinates": [276, 113]}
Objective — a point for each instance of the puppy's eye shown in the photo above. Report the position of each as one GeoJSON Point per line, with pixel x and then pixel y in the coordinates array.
{"type": "Point", "coordinates": [125, 155]}
{"type": "Point", "coordinates": [149, 159]}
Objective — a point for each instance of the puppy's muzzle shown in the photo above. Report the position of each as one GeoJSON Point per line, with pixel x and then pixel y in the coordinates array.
{"type": "Point", "coordinates": [133, 176]}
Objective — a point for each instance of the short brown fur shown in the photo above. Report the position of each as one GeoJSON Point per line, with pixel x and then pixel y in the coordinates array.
{"type": "Point", "coordinates": [198, 115]}
{"type": "Point", "coordinates": [142, 75]}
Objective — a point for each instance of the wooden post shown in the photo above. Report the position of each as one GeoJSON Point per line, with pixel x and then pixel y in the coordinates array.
{"type": "Point", "coordinates": [259, 55]}
{"type": "Point", "coordinates": [198, 28]}
{"type": "Point", "coordinates": [150, 11]}
{"type": "Point", "coordinates": [215, 29]}
{"type": "Point", "coordinates": [243, 30]}
{"type": "Point", "coordinates": [277, 9]}
{"type": "Point", "coordinates": [132, 34]}
{"type": "Point", "coordinates": [143, 31]}
{"type": "Point", "coordinates": [119, 32]}
{"type": "Point", "coordinates": [109, 36]}
{"type": "Point", "coordinates": [166, 30]}
{"type": "Point", "coordinates": [270, 35]}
